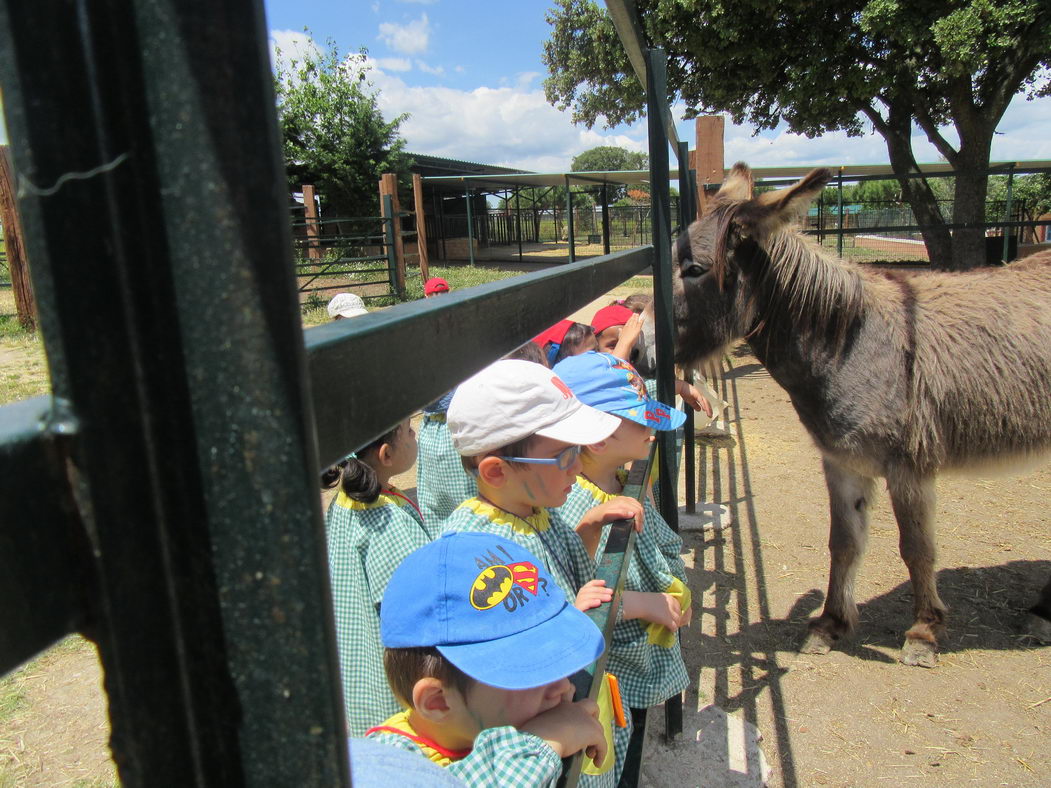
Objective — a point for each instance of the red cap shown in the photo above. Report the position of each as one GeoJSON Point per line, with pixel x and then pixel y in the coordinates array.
{"type": "Point", "coordinates": [435, 285]}
{"type": "Point", "coordinates": [612, 315]}
{"type": "Point", "coordinates": [555, 333]}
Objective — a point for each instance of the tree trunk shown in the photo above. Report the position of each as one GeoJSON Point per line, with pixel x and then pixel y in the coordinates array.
{"type": "Point", "coordinates": [25, 305]}
{"type": "Point", "coordinates": [972, 188]}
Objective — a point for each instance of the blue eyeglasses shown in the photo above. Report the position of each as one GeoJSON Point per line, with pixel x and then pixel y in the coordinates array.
{"type": "Point", "coordinates": [563, 460]}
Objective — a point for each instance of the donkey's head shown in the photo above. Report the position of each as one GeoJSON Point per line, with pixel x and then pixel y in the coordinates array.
{"type": "Point", "coordinates": [718, 262]}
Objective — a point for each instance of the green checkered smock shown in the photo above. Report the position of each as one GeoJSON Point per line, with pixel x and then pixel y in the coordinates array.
{"type": "Point", "coordinates": [441, 482]}
{"type": "Point", "coordinates": [501, 757]}
{"type": "Point", "coordinates": [366, 543]}
{"type": "Point", "coordinates": [553, 539]}
{"type": "Point", "coordinates": [644, 657]}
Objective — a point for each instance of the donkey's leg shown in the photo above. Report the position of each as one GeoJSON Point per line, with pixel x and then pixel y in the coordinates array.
{"type": "Point", "coordinates": [1038, 622]}
{"type": "Point", "coordinates": [850, 496]}
{"type": "Point", "coordinates": [912, 497]}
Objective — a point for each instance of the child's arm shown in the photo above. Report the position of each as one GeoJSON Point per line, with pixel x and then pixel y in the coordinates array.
{"type": "Point", "coordinates": [569, 728]}
{"type": "Point", "coordinates": [589, 529]}
{"type": "Point", "coordinates": [629, 334]}
{"type": "Point", "coordinates": [692, 397]}
{"type": "Point", "coordinates": [592, 594]}
{"type": "Point", "coordinates": [655, 607]}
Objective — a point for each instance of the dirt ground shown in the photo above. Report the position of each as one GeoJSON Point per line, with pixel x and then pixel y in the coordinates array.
{"type": "Point", "coordinates": [855, 717]}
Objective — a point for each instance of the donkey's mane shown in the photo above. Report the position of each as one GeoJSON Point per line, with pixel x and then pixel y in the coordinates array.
{"type": "Point", "coordinates": [799, 281]}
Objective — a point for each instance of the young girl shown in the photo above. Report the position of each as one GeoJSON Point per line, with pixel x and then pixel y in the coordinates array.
{"type": "Point", "coordinates": [644, 654]}
{"type": "Point", "coordinates": [370, 527]}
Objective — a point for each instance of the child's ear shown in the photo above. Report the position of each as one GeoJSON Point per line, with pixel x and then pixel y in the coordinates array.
{"type": "Point", "coordinates": [384, 454]}
{"type": "Point", "coordinates": [492, 471]}
{"type": "Point", "coordinates": [430, 700]}
{"type": "Point", "coordinates": [597, 448]}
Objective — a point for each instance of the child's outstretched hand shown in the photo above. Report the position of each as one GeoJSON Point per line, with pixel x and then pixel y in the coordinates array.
{"type": "Point", "coordinates": [658, 608]}
{"type": "Point", "coordinates": [692, 397]}
{"type": "Point", "coordinates": [629, 333]}
{"type": "Point", "coordinates": [569, 728]}
{"type": "Point", "coordinates": [592, 594]}
{"type": "Point", "coordinates": [589, 529]}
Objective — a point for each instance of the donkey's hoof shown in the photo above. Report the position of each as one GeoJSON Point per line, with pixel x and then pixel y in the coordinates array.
{"type": "Point", "coordinates": [816, 643]}
{"type": "Point", "coordinates": [921, 653]}
{"type": "Point", "coordinates": [1038, 628]}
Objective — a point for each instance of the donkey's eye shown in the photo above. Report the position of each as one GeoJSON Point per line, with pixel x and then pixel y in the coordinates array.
{"type": "Point", "coordinates": [693, 269]}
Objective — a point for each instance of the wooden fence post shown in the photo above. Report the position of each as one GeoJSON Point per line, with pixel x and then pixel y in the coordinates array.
{"type": "Point", "coordinates": [421, 227]}
{"type": "Point", "coordinates": [25, 305]}
{"type": "Point", "coordinates": [389, 185]}
{"type": "Point", "coordinates": [312, 222]}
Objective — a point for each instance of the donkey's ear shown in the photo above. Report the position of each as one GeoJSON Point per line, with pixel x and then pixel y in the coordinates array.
{"type": "Point", "coordinates": [738, 184]}
{"type": "Point", "coordinates": [772, 210]}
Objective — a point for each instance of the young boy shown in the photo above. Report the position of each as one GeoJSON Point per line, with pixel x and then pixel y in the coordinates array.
{"type": "Point", "coordinates": [479, 642]}
{"type": "Point", "coordinates": [519, 430]}
{"type": "Point", "coordinates": [645, 654]}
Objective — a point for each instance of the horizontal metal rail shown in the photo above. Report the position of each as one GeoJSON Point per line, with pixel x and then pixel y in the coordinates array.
{"type": "Point", "coordinates": [462, 331]}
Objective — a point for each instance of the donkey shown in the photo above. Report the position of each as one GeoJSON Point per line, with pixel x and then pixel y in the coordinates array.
{"type": "Point", "coordinates": [894, 375]}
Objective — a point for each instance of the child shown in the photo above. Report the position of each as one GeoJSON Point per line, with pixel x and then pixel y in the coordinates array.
{"type": "Point", "coordinates": [479, 642]}
{"type": "Point", "coordinates": [519, 430]}
{"type": "Point", "coordinates": [345, 305]}
{"type": "Point", "coordinates": [441, 482]}
{"type": "Point", "coordinates": [644, 654]}
{"type": "Point", "coordinates": [563, 339]}
{"type": "Point", "coordinates": [607, 324]}
{"type": "Point", "coordinates": [434, 286]}
{"type": "Point", "coordinates": [370, 527]}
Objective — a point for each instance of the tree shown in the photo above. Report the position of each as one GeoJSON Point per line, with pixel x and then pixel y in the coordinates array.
{"type": "Point", "coordinates": [608, 158]}
{"type": "Point", "coordinates": [333, 132]}
{"type": "Point", "coordinates": [827, 65]}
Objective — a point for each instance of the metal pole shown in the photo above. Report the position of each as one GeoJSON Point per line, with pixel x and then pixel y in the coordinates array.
{"type": "Point", "coordinates": [839, 210]}
{"type": "Point", "coordinates": [569, 221]}
{"type": "Point", "coordinates": [188, 421]}
{"type": "Point", "coordinates": [470, 227]}
{"type": "Point", "coordinates": [656, 97]}
{"type": "Point", "coordinates": [518, 219]}
{"type": "Point", "coordinates": [1007, 213]}
{"type": "Point", "coordinates": [605, 218]}
{"type": "Point", "coordinates": [388, 231]}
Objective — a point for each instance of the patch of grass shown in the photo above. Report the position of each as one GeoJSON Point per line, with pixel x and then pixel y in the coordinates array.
{"type": "Point", "coordinates": [12, 696]}
{"type": "Point", "coordinates": [23, 367]}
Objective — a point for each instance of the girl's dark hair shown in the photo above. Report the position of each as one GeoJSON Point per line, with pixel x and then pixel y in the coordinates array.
{"type": "Point", "coordinates": [530, 351]}
{"type": "Point", "coordinates": [637, 302]}
{"type": "Point", "coordinates": [357, 478]}
{"type": "Point", "coordinates": [576, 335]}
{"type": "Point", "coordinates": [406, 666]}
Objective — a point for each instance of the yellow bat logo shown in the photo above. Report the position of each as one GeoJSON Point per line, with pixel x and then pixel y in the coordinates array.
{"type": "Point", "coordinates": [490, 587]}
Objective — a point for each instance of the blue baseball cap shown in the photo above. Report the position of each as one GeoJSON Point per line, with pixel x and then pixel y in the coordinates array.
{"type": "Point", "coordinates": [612, 385]}
{"type": "Point", "coordinates": [491, 608]}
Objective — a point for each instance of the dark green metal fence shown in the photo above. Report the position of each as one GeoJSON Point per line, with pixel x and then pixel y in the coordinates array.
{"type": "Point", "coordinates": [163, 500]}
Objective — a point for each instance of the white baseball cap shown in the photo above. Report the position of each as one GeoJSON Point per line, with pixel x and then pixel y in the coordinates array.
{"type": "Point", "coordinates": [513, 399]}
{"type": "Point", "coordinates": [346, 305]}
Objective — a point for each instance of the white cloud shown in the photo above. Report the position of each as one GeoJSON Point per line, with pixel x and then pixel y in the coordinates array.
{"type": "Point", "coordinates": [506, 126]}
{"type": "Point", "coordinates": [409, 39]}
{"type": "Point", "coordinates": [394, 63]}
{"type": "Point", "coordinates": [292, 45]}
{"type": "Point", "coordinates": [436, 70]}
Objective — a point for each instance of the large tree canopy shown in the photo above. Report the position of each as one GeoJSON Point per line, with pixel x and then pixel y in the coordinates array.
{"type": "Point", "coordinates": [333, 132]}
{"type": "Point", "coordinates": [609, 158]}
{"type": "Point", "coordinates": [827, 65]}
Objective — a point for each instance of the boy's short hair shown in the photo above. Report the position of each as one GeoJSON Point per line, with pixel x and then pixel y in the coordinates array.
{"type": "Point", "coordinates": [406, 666]}
{"type": "Point", "coordinates": [511, 400]}
{"type": "Point", "coordinates": [490, 608]}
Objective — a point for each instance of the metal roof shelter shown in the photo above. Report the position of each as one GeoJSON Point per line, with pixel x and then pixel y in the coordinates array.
{"type": "Point", "coordinates": [513, 183]}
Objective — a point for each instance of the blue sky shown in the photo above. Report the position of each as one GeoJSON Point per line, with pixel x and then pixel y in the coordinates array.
{"type": "Point", "coordinates": [470, 75]}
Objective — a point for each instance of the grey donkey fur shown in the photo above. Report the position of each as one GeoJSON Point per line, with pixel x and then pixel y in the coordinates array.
{"type": "Point", "coordinates": [894, 375]}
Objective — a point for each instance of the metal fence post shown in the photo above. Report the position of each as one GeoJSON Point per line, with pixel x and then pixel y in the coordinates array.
{"type": "Point", "coordinates": [190, 453]}
{"type": "Point", "coordinates": [388, 232]}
